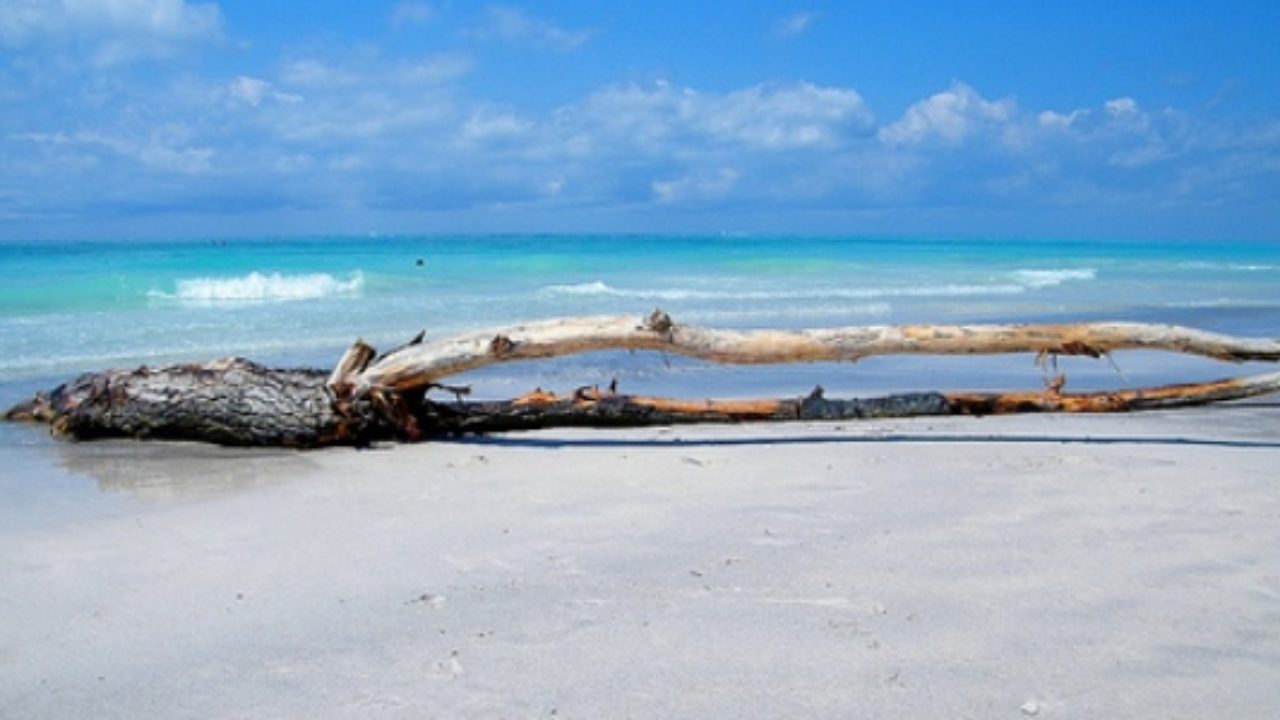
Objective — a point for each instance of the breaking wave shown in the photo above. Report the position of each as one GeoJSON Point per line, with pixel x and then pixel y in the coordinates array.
{"type": "Point", "coordinates": [1020, 281]}
{"type": "Point", "coordinates": [1036, 279]}
{"type": "Point", "coordinates": [789, 312]}
{"type": "Point", "coordinates": [598, 288]}
{"type": "Point", "coordinates": [259, 287]}
{"type": "Point", "coordinates": [1237, 267]}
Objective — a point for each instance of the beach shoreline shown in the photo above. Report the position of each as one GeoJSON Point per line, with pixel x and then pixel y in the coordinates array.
{"type": "Point", "coordinates": [1057, 566]}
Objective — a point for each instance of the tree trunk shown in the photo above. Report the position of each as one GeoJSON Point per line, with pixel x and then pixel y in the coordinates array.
{"type": "Point", "coordinates": [229, 402]}
{"type": "Point", "coordinates": [235, 402]}
{"type": "Point", "coordinates": [368, 398]}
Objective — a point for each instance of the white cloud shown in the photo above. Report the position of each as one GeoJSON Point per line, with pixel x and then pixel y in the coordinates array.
{"type": "Point", "coordinates": [115, 30]}
{"type": "Point", "coordinates": [794, 25]}
{"type": "Point", "coordinates": [485, 125]}
{"type": "Point", "coordinates": [434, 70]}
{"type": "Point", "coordinates": [950, 117]}
{"type": "Point", "coordinates": [165, 148]}
{"type": "Point", "coordinates": [1120, 133]}
{"type": "Point", "coordinates": [1120, 107]}
{"type": "Point", "coordinates": [700, 186]}
{"type": "Point", "coordinates": [407, 14]}
{"type": "Point", "coordinates": [378, 132]}
{"type": "Point", "coordinates": [317, 73]}
{"type": "Point", "coordinates": [514, 25]}
{"type": "Point", "coordinates": [761, 117]}
{"type": "Point", "coordinates": [356, 71]}
{"type": "Point", "coordinates": [1125, 115]}
{"type": "Point", "coordinates": [248, 90]}
{"type": "Point", "coordinates": [252, 91]}
{"type": "Point", "coordinates": [794, 116]}
{"type": "Point", "coordinates": [1139, 156]}
{"type": "Point", "coordinates": [1059, 121]}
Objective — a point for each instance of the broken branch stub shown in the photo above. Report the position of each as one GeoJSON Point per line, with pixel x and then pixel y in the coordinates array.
{"type": "Point", "coordinates": [353, 361]}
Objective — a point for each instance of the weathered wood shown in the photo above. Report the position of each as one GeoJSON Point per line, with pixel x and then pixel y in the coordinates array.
{"type": "Point", "coordinates": [1157, 398]}
{"type": "Point", "coordinates": [591, 408]}
{"type": "Point", "coordinates": [353, 361]}
{"type": "Point", "coordinates": [418, 366]}
{"type": "Point", "coordinates": [236, 402]}
{"type": "Point", "coordinates": [367, 398]}
{"type": "Point", "coordinates": [230, 402]}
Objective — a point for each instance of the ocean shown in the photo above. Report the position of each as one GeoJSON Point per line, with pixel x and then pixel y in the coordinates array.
{"type": "Point", "coordinates": [70, 307]}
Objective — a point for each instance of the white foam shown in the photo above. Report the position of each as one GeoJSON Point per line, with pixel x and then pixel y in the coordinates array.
{"type": "Point", "coordinates": [1217, 303]}
{"type": "Point", "coordinates": [591, 288]}
{"type": "Point", "coordinates": [1020, 282]}
{"type": "Point", "coordinates": [598, 288]}
{"type": "Point", "coordinates": [808, 311]}
{"type": "Point", "coordinates": [1238, 267]}
{"type": "Point", "coordinates": [259, 287]}
{"type": "Point", "coordinates": [1037, 279]}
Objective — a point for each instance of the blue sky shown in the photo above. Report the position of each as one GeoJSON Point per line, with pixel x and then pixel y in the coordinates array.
{"type": "Point", "coordinates": [160, 118]}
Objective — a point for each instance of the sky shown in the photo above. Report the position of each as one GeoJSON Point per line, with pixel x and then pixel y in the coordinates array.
{"type": "Point", "coordinates": [178, 118]}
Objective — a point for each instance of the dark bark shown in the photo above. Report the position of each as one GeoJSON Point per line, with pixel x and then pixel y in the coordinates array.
{"type": "Point", "coordinates": [229, 402]}
{"type": "Point", "coordinates": [594, 409]}
{"type": "Point", "coordinates": [237, 402]}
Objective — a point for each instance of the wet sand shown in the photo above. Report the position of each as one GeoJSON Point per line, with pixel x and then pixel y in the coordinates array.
{"type": "Point", "coordinates": [1057, 567]}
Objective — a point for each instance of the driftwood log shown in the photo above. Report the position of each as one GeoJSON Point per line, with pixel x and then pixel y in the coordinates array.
{"type": "Point", "coordinates": [367, 398]}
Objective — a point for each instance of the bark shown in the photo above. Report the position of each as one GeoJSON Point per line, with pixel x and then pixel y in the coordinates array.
{"type": "Point", "coordinates": [420, 365]}
{"type": "Point", "coordinates": [236, 402]}
{"type": "Point", "coordinates": [367, 398]}
{"type": "Point", "coordinates": [229, 402]}
{"type": "Point", "coordinates": [591, 408]}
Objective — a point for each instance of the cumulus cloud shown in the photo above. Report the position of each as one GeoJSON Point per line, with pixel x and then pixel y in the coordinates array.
{"type": "Point", "coordinates": [761, 117]}
{"type": "Point", "coordinates": [365, 132]}
{"type": "Point", "coordinates": [311, 72]}
{"type": "Point", "coordinates": [167, 148]}
{"type": "Point", "coordinates": [794, 25]}
{"type": "Point", "coordinates": [354, 71]}
{"type": "Point", "coordinates": [1139, 156]}
{"type": "Point", "coordinates": [343, 103]}
{"type": "Point", "coordinates": [1057, 120]}
{"type": "Point", "coordinates": [949, 117]}
{"type": "Point", "coordinates": [516, 26]}
{"type": "Point", "coordinates": [699, 186]}
{"type": "Point", "coordinates": [487, 124]}
{"type": "Point", "coordinates": [253, 91]}
{"type": "Point", "coordinates": [434, 70]}
{"type": "Point", "coordinates": [115, 30]}
{"type": "Point", "coordinates": [1121, 107]}
{"type": "Point", "coordinates": [1120, 131]}
{"type": "Point", "coordinates": [406, 14]}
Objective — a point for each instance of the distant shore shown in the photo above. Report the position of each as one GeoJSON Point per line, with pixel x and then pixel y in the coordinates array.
{"type": "Point", "coordinates": [1052, 566]}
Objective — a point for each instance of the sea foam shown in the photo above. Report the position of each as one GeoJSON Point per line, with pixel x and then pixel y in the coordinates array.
{"type": "Point", "coordinates": [259, 287]}
{"type": "Point", "coordinates": [1036, 279]}
{"type": "Point", "coordinates": [1019, 282]}
{"type": "Point", "coordinates": [601, 289]}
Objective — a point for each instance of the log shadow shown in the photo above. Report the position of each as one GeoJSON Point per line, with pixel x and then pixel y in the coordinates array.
{"type": "Point", "coordinates": [545, 443]}
{"type": "Point", "coordinates": [161, 471]}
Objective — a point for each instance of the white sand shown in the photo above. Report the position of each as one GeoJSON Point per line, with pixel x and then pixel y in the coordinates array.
{"type": "Point", "coordinates": [959, 568]}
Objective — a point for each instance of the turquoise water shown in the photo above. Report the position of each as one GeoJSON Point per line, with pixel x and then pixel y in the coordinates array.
{"type": "Point", "coordinates": [69, 307]}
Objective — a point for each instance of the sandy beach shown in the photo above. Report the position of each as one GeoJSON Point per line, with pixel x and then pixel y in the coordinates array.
{"type": "Point", "coordinates": [1055, 567]}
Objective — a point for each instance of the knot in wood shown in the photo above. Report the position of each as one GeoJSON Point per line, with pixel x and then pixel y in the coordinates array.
{"type": "Point", "coordinates": [659, 322]}
{"type": "Point", "coordinates": [1075, 347]}
{"type": "Point", "coordinates": [501, 345]}
{"type": "Point", "coordinates": [1053, 386]}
